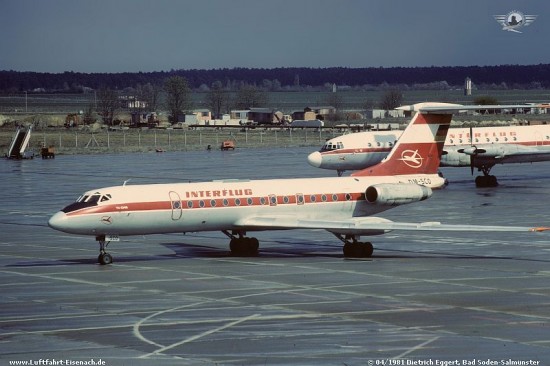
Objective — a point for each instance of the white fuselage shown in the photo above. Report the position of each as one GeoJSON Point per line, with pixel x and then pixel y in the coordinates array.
{"type": "Point", "coordinates": [220, 205]}
{"type": "Point", "coordinates": [359, 150]}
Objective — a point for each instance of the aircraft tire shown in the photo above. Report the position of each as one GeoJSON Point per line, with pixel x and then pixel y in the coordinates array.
{"type": "Point", "coordinates": [234, 245]}
{"type": "Point", "coordinates": [244, 246]}
{"type": "Point", "coordinates": [485, 181]}
{"type": "Point", "coordinates": [254, 245]}
{"type": "Point", "coordinates": [358, 250]}
{"type": "Point", "coordinates": [368, 249]}
{"type": "Point", "coordinates": [250, 246]}
{"type": "Point", "coordinates": [348, 250]}
{"type": "Point", "coordinates": [105, 258]}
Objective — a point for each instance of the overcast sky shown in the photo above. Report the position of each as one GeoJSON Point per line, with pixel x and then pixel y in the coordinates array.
{"type": "Point", "coordinates": [160, 35]}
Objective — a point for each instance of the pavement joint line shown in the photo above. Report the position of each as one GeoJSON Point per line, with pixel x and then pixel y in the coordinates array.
{"type": "Point", "coordinates": [198, 336]}
{"type": "Point", "coordinates": [73, 280]}
{"type": "Point", "coordinates": [417, 347]}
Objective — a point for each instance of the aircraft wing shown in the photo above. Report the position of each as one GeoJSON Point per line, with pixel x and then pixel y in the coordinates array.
{"type": "Point", "coordinates": [517, 157]}
{"type": "Point", "coordinates": [365, 225]}
{"type": "Point", "coordinates": [491, 154]}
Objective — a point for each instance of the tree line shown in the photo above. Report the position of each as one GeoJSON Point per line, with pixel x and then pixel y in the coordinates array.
{"type": "Point", "coordinates": [292, 78]}
{"type": "Point", "coordinates": [174, 95]}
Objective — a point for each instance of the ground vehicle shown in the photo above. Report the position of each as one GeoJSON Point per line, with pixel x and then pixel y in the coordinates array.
{"type": "Point", "coordinates": [228, 145]}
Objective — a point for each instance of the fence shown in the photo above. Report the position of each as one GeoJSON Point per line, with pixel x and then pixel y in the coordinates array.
{"type": "Point", "coordinates": [74, 142]}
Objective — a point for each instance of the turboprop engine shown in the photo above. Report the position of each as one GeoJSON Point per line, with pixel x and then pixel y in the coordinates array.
{"type": "Point", "coordinates": [395, 194]}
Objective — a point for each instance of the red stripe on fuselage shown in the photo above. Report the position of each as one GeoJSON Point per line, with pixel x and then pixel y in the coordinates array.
{"type": "Point", "coordinates": [356, 150]}
{"type": "Point", "coordinates": [291, 199]}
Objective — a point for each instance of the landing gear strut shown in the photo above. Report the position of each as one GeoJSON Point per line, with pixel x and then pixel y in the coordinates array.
{"type": "Point", "coordinates": [486, 180]}
{"type": "Point", "coordinates": [104, 257]}
{"type": "Point", "coordinates": [355, 249]}
{"type": "Point", "coordinates": [241, 245]}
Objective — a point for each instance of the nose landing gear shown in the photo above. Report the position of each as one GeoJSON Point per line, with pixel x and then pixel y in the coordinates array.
{"type": "Point", "coordinates": [104, 257]}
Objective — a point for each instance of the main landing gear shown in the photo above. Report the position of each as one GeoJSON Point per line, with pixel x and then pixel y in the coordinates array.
{"type": "Point", "coordinates": [104, 257]}
{"type": "Point", "coordinates": [354, 248]}
{"type": "Point", "coordinates": [486, 180]}
{"type": "Point", "coordinates": [244, 246]}
{"type": "Point", "coordinates": [241, 245]}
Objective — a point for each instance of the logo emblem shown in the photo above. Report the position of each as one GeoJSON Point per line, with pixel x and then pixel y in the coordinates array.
{"type": "Point", "coordinates": [412, 158]}
{"type": "Point", "coordinates": [514, 20]}
{"type": "Point", "coordinates": [107, 220]}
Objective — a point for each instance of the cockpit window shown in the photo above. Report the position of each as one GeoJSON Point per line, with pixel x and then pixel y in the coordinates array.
{"type": "Point", "coordinates": [82, 198]}
{"type": "Point", "coordinates": [329, 146]}
{"type": "Point", "coordinates": [87, 200]}
{"type": "Point", "coordinates": [93, 199]}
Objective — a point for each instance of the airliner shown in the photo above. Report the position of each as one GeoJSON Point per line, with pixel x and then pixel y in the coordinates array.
{"type": "Point", "coordinates": [490, 146]}
{"type": "Point", "coordinates": [341, 205]}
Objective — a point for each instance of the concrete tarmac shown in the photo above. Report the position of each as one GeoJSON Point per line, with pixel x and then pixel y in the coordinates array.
{"type": "Point", "coordinates": [183, 300]}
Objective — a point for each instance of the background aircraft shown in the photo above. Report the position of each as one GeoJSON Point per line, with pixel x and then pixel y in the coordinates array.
{"type": "Point", "coordinates": [341, 205]}
{"type": "Point", "coordinates": [490, 146]}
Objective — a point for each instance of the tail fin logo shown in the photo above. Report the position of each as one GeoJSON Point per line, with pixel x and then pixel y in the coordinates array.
{"type": "Point", "coordinates": [412, 158]}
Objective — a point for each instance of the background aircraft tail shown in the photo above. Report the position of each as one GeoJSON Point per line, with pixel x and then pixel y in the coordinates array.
{"type": "Point", "coordinates": [418, 150]}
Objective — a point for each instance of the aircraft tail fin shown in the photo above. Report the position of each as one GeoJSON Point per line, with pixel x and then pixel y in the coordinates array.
{"type": "Point", "coordinates": [418, 150]}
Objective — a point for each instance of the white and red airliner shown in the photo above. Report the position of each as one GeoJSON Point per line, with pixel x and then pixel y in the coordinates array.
{"type": "Point", "coordinates": [489, 146]}
{"type": "Point", "coordinates": [341, 205]}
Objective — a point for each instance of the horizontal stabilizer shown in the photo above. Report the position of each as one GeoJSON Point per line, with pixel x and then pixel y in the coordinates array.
{"type": "Point", "coordinates": [448, 108]}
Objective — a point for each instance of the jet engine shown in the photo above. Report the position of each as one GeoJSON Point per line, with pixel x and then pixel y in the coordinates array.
{"type": "Point", "coordinates": [395, 194]}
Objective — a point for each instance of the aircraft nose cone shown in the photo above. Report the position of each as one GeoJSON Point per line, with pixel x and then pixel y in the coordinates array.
{"type": "Point", "coordinates": [315, 159]}
{"type": "Point", "coordinates": [57, 221]}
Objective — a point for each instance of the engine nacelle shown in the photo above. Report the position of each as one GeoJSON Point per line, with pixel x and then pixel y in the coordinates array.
{"type": "Point", "coordinates": [395, 194]}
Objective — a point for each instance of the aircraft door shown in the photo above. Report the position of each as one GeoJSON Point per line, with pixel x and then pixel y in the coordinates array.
{"type": "Point", "coordinates": [175, 201]}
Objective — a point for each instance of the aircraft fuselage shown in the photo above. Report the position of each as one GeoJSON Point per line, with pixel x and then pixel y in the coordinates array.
{"type": "Point", "coordinates": [221, 205]}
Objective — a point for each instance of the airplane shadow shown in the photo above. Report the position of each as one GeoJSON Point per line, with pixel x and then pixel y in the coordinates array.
{"type": "Point", "coordinates": [180, 251]}
{"type": "Point", "coordinates": [185, 250]}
